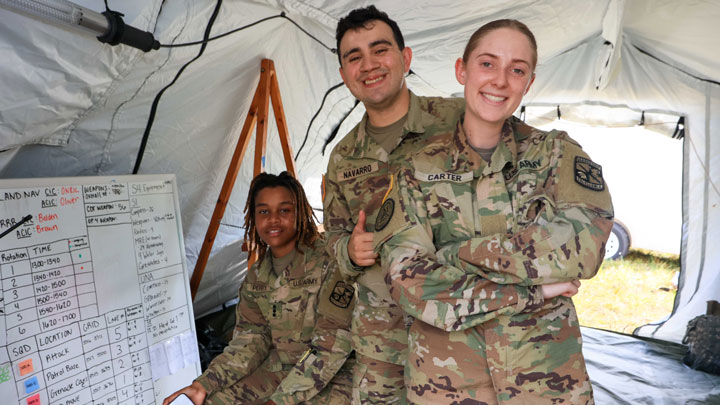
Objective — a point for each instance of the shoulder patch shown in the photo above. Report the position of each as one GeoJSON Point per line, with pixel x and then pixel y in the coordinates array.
{"type": "Point", "coordinates": [341, 294]}
{"type": "Point", "coordinates": [588, 174]}
{"type": "Point", "coordinates": [385, 214]}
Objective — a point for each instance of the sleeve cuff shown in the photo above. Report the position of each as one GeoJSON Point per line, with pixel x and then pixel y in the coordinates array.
{"type": "Point", "coordinates": [346, 266]}
{"type": "Point", "coordinates": [208, 383]}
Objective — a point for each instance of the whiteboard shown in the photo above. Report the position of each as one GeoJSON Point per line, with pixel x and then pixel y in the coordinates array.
{"type": "Point", "coordinates": [95, 303]}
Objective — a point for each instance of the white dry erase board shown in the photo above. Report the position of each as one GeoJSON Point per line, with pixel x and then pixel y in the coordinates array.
{"type": "Point", "coordinates": [95, 302]}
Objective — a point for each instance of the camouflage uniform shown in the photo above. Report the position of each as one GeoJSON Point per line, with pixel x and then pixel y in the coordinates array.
{"type": "Point", "coordinates": [358, 178]}
{"type": "Point", "coordinates": [540, 212]}
{"type": "Point", "coordinates": [286, 343]}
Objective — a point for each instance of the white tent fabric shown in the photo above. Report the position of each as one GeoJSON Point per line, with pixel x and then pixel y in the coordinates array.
{"type": "Point", "coordinates": [72, 106]}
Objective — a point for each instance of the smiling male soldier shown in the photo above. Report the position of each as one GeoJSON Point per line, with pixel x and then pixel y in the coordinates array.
{"type": "Point", "coordinates": [373, 63]}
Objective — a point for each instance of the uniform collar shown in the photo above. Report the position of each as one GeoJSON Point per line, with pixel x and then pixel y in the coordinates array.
{"type": "Point", "coordinates": [295, 270]}
{"type": "Point", "coordinates": [366, 147]}
{"type": "Point", "coordinates": [505, 153]}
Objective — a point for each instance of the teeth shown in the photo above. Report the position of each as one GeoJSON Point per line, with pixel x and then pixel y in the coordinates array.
{"type": "Point", "coordinates": [377, 79]}
{"type": "Point", "coordinates": [493, 98]}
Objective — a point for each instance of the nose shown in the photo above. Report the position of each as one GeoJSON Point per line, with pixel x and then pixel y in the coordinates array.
{"type": "Point", "coordinates": [368, 63]}
{"type": "Point", "coordinates": [500, 79]}
{"type": "Point", "coordinates": [274, 218]}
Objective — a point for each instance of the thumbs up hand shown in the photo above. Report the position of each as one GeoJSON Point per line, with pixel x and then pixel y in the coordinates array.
{"type": "Point", "coordinates": [360, 247]}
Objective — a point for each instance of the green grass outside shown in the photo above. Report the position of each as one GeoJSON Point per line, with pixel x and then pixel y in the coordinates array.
{"type": "Point", "coordinates": [628, 293]}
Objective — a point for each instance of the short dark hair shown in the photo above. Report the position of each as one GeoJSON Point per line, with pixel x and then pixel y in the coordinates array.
{"type": "Point", "coordinates": [307, 232]}
{"type": "Point", "coordinates": [360, 18]}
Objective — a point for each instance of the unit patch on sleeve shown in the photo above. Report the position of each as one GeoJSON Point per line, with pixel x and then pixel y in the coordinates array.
{"type": "Point", "coordinates": [384, 215]}
{"type": "Point", "coordinates": [342, 294]}
{"type": "Point", "coordinates": [588, 174]}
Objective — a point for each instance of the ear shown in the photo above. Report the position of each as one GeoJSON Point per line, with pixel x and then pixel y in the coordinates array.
{"type": "Point", "coordinates": [407, 57]}
{"type": "Point", "coordinates": [342, 74]}
{"type": "Point", "coordinates": [460, 71]}
{"type": "Point", "coordinates": [532, 80]}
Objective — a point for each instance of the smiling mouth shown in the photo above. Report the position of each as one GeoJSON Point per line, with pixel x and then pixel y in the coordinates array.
{"type": "Point", "coordinates": [274, 232]}
{"type": "Point", "coordinates": [495, 99]}
{"type": "Point", "coordinates": [373, 81]}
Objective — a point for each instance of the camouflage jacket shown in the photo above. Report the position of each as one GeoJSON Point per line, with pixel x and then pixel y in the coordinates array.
{"type": "Point", "coordinates": [358, 178]}
{"type": "Point", "coordinates": [540, 212]}
{"type": "Point", "coordinates": [280, 318]}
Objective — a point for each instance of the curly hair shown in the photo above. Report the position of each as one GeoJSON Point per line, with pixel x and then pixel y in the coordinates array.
{"type": "Point", "coordinates": [307, 231]}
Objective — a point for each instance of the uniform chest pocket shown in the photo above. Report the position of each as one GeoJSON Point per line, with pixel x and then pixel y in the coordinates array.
{"type": "Point", "coordinates": [283, 319]}
{"type": "Point", "coordinates": [449, 209]}
{"type": "Point", "coordinates": [364, 184]}
{"type": "Point", "coordinates": [531, 193]}
{"type": "Point", "coordinates": [298, 310]}
{"type": "Point", "coordinates": [538, 208]}
{"type": "Point", "coordinates": [270, 309]}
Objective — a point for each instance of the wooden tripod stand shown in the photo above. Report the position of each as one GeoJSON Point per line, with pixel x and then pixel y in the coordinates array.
{"type": "Point", "coordinates": [267, 90]}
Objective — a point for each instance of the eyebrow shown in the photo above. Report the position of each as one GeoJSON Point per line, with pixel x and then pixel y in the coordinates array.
{"type": "Point", "coordinates": [281, 203]}
{"type": "Point", "coordinates": [372, 45]}
{"type": "Point", "coordinates": [496, 57]}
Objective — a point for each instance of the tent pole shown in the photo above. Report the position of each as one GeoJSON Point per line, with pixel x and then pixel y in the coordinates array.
{"type": "Point", "coordinates": [266, 73]}
{"type": "Point", "coordinates": [267, 89]}
{"type": "Point", "coordinates": [281, 123]}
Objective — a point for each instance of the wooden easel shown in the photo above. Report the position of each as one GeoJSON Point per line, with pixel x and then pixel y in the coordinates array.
{"type": "Point", "coordinates": [267, 90]}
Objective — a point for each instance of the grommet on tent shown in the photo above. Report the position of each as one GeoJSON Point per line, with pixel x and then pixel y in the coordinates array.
{"type": "Point", "coordinates": [679, 129]}
{"type": "Point", "coordinates": [522, 113]}
{"type": "Point", "coordinates": [559, 116]}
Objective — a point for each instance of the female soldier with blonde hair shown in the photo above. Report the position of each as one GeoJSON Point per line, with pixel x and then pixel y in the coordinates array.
{"type": "Point", "coordinates": [501, 203]}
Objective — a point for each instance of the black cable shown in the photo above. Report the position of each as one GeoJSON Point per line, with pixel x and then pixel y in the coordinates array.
{"type": "Point", "coordinates": [203, 43]}
{"type": "Point", "coordinates": [307, 133]}
{"type": "Point", "coordinates": [232, 226]}
{"type": "Point", "coordinates": [334, 133]}
{"type": "Point", "coordinates": [333, 50]}
{"type": "Point", "coordinates": [107, 9]}
{"type": "Point", "coordinates": [675, 67]}
{"type": "Point", "coordinates": [281, 15]}
{"type": "Point", "coordinates": [206, 40]}
{"type": "Point", "coordinates": [156, 101]}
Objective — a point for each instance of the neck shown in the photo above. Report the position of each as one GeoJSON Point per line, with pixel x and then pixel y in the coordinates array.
{"type": "Point", "coordinates": [282, 251]}
{"type": "Point", "coordinates": [382, 116]}
{"type": "Point", "coordinates": [482, 134]}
